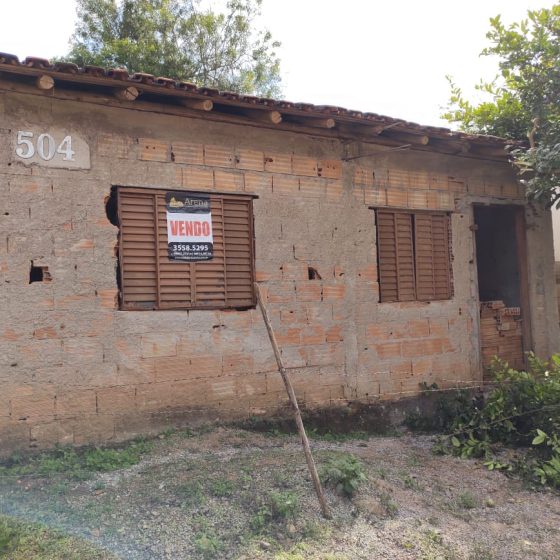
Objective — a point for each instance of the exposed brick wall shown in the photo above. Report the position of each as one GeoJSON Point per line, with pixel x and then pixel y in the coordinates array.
{"type": "Point", "coordinates": [76, 369]}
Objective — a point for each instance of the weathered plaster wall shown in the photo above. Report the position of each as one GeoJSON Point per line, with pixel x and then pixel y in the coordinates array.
{"type": "Point", "coordinates": [542, 281]}
{"type": "Point", "coordinates": [75, 369]}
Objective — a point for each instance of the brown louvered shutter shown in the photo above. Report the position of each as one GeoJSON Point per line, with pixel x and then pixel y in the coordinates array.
{"type": "Point", "coordinates": [395, 256]}
{"type": "Point", "coordinates": [137, 250]}
{"type": "Point", "coordinates": [431, 239]}
{"type": "Point", "coordinates": [149, 280]}
{"type": "Point", "coordinates": [175, 285]}
{"type": "Point", "coordinates": [238, 239]}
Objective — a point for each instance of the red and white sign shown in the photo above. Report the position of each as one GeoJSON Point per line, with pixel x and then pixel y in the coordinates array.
{"type": "Point", "coordinates": [189, 226]}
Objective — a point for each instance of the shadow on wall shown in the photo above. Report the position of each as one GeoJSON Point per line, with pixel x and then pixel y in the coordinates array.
{"type": "Point", "coordinates": [111, 209]}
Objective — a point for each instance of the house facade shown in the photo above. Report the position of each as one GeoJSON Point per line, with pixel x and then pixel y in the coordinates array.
{"type": "Point", "coordinates": [137, 213]}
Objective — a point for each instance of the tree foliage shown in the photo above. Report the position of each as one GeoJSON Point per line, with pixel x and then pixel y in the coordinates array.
{"type": "Point", "coordinates": [524, 100]}
{"type": "Point", "coordinates": [178, 39]}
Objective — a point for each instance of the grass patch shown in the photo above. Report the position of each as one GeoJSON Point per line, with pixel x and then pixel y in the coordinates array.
{"type": "Point", "coordinates": [222, 488]}
{"type": "Point", "coordinates": [411, 482]}
{"type": "Point", "coordinates": [480, 552]}
{"type": "Point", "coordinates": [467, 500]}
{"type": "Point", "coordinates": [78, 464]}
{"type": "Point", "coordinates": [24, 541]}
{"type": "Point", "coordinates": [191, 494]}
{"type": "Point", "coordinates": [389, 505]}
{"type": "Point", "coordinates": [208, 544]}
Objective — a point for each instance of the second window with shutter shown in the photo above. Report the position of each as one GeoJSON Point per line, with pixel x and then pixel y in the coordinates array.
{"type": "Point", "coordinates": [413, 252]}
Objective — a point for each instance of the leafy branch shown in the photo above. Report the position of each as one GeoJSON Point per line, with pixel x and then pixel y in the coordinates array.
{"type": "Point", "coordinates": [523, 101]}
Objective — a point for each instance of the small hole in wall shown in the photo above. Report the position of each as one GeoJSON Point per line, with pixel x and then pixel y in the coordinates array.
{"type": "Point", "coordinates": [39, 274]}
{"type": "Point", "coordinates": [313, 274]}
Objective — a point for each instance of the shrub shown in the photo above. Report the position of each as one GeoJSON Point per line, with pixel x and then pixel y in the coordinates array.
{"type": "Point", "coordinates": [523, 410]}
{"type": "Point", "coordinates": [345, 473]}
{"type": "Point", "coordinates": [548, 471]}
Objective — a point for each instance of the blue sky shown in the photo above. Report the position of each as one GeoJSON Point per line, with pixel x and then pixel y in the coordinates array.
{"type": "Point", "coordinates": [372, 55]}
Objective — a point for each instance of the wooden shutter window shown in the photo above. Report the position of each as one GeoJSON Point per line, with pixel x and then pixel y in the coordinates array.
{"type": "Point", "coordinates": [413, 256]}
{"type": "Point", "coordinates": [432, 256]}
{"type": "Point", "coordinates": [149, 280]}
{"type": "Point", "coordinates": [395, 256]}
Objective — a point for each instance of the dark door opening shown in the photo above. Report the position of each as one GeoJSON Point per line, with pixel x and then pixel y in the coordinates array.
{"type": "Point", "coordinates": [502, 283]}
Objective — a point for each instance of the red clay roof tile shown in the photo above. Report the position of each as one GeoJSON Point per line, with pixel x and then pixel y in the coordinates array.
{"type": "Point", "coordinates": [67, 70]}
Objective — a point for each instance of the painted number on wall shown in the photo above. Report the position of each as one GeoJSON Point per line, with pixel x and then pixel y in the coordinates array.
{"type": "Point", "coordinates": [44, 145]}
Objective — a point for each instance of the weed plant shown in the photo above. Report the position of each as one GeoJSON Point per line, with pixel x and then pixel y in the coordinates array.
{"type": "Point", "coordinates": [277, 506]}
{"type": "Point", "coordinates": [345, 472]}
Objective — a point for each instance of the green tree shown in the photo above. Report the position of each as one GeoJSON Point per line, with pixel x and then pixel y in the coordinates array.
{"type": "Point", "coordinates": [523, 101]}
{"type": "Point", "coordinates": [178, 39]}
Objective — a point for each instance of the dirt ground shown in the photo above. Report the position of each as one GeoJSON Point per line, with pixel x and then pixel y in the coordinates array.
{"type": "Point", "coordinates": [233, 494]}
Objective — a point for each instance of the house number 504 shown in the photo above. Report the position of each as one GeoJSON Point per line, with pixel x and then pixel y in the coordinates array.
{"type": "Point", "coordinates": [45, 146]}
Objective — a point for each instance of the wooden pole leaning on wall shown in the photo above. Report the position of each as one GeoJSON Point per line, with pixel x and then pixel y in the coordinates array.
{"type": "Point", "coordinates": [297, 413]}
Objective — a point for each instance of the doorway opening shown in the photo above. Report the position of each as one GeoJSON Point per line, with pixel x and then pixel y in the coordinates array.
{"type": "Point", "coordinates": [502, 283]}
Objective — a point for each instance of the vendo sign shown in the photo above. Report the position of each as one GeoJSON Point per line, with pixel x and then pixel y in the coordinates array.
{"type": "Point", "coordinates": [189, 226]}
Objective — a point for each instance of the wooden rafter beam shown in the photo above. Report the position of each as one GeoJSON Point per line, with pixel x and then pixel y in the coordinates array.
{"type": "Point", "coordinates": [406, 137]}
{"type": "Point", "coordinates": [44, 82]}
{"type": "Point", "coordinates": [129, 93]}
{"type": "Point", "coordinates": [264, 116]}
{"type": "Point", "coordinates": [311, 121]}
{"type": "Point", "coordinates": [198, 104]}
